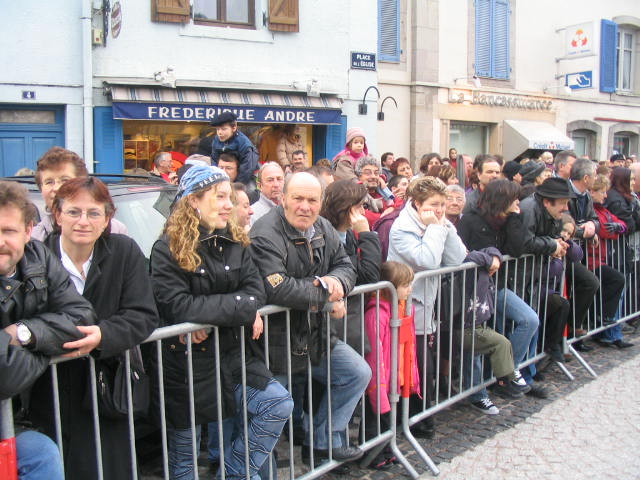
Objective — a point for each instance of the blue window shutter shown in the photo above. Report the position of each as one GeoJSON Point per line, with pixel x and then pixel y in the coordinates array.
{"type": "Point", "coordinates": [389, 30]}
{"type": "Point", "coordinates": [483, 38]}
{"type": "Point", "coordinates": [108, 143]}
{"type": "Point", "coordinates": [319, 133]}
{"type": "Point", "coordinates": [336, 138]}
{"type": "Point", "coordinates": [608, 53]}
{"type": "Point", "coordinates": [500, 53]}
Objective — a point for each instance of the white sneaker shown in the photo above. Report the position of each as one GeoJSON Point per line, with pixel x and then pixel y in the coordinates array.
{"type": "Point", "coordinates": [486, 406]}
{"type": "Point", "coordinates": [519, 382]}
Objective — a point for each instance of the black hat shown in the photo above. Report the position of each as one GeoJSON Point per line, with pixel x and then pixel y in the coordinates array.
{"type": "Point", "coordinates": [224, 117]}
{"type": "Point", "coordinates": [555, 187]}
{"type": "Point", "coordinates": [531, 170]}
{"type": "Point", "coordinates": [511, 169]}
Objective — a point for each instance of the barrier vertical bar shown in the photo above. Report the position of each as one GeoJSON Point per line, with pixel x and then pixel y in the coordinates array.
{"type": "Point", "coordinates": [8, 452]}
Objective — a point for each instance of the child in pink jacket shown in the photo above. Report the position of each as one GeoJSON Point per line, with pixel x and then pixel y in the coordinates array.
{"type": "Point", "coordinates": [344, 163]}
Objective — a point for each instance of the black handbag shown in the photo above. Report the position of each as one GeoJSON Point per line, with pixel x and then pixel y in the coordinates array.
{"type": "Point", "coordinates": [111, 385]}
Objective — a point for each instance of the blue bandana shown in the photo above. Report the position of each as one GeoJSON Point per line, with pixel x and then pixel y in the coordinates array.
{"type": "Point", "coordinates": [198, 178]}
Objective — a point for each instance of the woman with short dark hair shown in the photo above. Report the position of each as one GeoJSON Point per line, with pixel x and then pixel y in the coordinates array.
{"type": "Point", "coordinates": [109, 270]}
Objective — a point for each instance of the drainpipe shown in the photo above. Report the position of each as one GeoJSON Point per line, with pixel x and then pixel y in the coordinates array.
{"type": "Point", "coordinates": [87, 85]}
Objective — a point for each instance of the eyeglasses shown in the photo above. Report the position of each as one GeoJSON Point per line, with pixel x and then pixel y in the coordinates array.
{"type": "Point", "coordinates": [76, 214]}
{"type": "Point", "coordinates": [50, 182]}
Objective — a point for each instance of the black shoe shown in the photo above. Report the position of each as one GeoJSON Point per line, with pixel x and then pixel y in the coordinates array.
{"type": "Point", "coordinates": [538, 391]}
{"type": "Point", "coordinates": [582, 347]}
{"type": "Point", "coordinates": [602, 342]}
{"type": "Point", "coordinates": [507, 388]}
{"type": "Point", "coordinates": [342, 454]}
{"type": "Point", "coordinates": [622, 344]}
{"type": "Point", "coordinates": [424, 429]}
{"type": "Point", "coordinates": [538, 377]}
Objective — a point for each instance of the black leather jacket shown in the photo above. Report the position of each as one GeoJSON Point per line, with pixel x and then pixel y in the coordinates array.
{"type": "Point", "coordinates": [43, 298]}
{"type": "Point", "coordinates": [288, 263]}
{"type": "Point", "coordinates": [225, 290]}
{"type": "Point", "coordinates": [540, 229]}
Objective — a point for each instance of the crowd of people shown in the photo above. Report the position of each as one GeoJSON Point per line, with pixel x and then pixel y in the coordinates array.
{"type": "Point", "coordinates": [242, 235]}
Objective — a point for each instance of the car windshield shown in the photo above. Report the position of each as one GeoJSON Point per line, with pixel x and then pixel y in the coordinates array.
{"type": "Point", "coordinates": [144, 212]}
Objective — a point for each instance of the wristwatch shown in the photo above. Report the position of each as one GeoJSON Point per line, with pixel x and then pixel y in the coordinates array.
{"type": "Point", "coordinates": [24, 334]}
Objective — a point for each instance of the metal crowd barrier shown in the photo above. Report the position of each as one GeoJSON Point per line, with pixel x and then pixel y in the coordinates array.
{"type": "Point", "coordinates": [446, 388]}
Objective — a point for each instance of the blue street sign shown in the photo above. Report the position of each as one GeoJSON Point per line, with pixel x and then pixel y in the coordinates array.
{"type": "Point", "coordinates": [579, 80]}
{"type": "Point", "coordinates": [28, 95]}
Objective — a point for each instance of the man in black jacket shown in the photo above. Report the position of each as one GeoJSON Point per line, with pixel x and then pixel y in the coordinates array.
{"type": "Point", "coordinates": [581, 205]}
{"type": "Point", "coordinates": [541, 214]}
{"type": "Point", "coordinates": [39, 311]}
{"type": "Point", "coordinates": [304, 267]}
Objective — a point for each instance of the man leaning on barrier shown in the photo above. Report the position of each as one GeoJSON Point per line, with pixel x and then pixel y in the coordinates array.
{"type": "Point", "coordinates": [39, 310]}
{"type": "Point", "coordinates": [304, 267]}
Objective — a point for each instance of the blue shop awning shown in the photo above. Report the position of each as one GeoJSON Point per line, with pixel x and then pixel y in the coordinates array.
{"type": "Point", "coordinates": [201, 105]}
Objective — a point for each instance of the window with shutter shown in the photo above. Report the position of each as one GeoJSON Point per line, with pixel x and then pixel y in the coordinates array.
{"type": "Point", "coordinates": [284, 16]}
{"type": "Point", "coordinates": [108, 145]}
{"type": "Point", "coordinates": [228, 13]}
{"type": "Point", "coordinates": [389, 30]}
{"type": "Point", "coordinates": [171, 11]}
{"type": "Point", "coordinates": [336, 135]}
{"type": "Point", "coordinates": [492, 55]}
{"type": "Point", "coordinates": [608, 56]}
{"type": "Point", "coordinates": [625, 59]}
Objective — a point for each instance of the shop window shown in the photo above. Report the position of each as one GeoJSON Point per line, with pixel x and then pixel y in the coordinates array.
{"type": "Point", "coordinates": [621, 144]}
{"type": "Point", "coordinates": [469, 138]}
{"type": "Point", "coordinates": [235, 13]}
{"type": "Point", "coordinates": [389, 30]}
{"type": "Point", "coordinates": [492, 39]}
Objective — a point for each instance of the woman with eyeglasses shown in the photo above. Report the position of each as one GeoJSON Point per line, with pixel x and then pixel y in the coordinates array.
{"type": "Point", "coordinates": [108, 270]}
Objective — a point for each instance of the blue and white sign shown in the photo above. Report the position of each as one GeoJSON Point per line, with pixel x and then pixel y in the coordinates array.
{"type": "Point", "coordinates": [363, 61]}
{"type": "Point", "coordinates": [579, 80]}
{"type": "Point", "coordinates": [204, 113]}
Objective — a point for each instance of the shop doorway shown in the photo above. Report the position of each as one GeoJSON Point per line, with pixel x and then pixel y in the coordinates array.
{"type": "Point", "coordinates": [469, 138]}
{"type": "Point", "coordinates": [26, 133]}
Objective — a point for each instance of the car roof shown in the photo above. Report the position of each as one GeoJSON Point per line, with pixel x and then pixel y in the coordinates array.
{"type": "Point", "coordinates": [118, 184]}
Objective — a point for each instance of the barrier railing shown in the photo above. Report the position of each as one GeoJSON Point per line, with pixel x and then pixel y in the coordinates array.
{"type": "Point", "coordinates": [449, 373]}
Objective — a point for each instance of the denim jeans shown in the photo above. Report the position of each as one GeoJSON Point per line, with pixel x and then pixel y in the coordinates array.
{"type": "Point", "coordinates": [228, 429]}
{"type": "Point", "coordinates": [350, 375]}
{"type": "Point", "coordinates": [267, 412]}
{"type": "Point", "coordinates": [518, 322]}
{"type": "Point", "coordinates": [476, 366]}
{"type": "Point", "coordinates": [38, 457]}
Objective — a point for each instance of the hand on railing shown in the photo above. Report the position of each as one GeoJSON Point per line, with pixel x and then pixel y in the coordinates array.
{"type": "Point", "coordinates": [332, 285]}
{"type": "Point", "coordinates": [258, 327]}
{"type": "Point", "coordinates": [93, 337]}
{"type": "Point", "coordinates": [338, 310]}
{"type": "Point", "coordinates": [198, 336]}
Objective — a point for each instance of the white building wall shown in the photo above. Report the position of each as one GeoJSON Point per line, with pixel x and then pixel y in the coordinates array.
{"type": "Point", "coordinates": [41, 51]}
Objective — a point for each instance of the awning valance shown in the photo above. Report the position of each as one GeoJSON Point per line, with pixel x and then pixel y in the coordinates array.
{"type": "Point", "coordinates": [522, 135]}
{"type": "Point", "coordinates": [187, 104]}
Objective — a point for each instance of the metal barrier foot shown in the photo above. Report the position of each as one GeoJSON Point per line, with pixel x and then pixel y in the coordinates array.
{"type": "Point", "coordinates": [414, 443]}
{"type": "Point", "coordinates": [565, 370]}
{"type": "Point", "coordinates": [582, 361]}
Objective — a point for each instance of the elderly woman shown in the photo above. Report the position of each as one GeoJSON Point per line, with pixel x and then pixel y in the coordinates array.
{"type": "Point", "coordinates": [202, 272]}
{"type": "Point", "coordinates": [109, 271]}
{"type": "Point", "coordinates": [424, 239]}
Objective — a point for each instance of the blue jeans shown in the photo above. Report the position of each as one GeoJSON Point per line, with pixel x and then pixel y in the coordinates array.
{"type": "Point", "coordinates": [38, 457]}
{"type": "Point", "coordinates": [267, 412]}
{"type": "Point", "coordinates": [350, 375]}
{"type": "Point", "coordinates": [228, 428]}
{"type": "Point", "coordinates": [467, 368]}
{"type": "Point", "coordinates": [521, 323]}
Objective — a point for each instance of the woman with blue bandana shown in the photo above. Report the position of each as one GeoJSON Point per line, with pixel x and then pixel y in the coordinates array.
{"type": "Point", "coordinates": [202, 273]}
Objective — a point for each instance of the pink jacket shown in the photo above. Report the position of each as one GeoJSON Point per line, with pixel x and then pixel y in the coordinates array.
{"type": "Point", "coordinates": [383, 345]}
{"type": "Point", "coordinates": [345, 169]}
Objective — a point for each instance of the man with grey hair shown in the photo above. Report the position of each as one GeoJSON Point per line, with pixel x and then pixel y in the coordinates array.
{"type": "Point", "coordinates": [563, 163]}
{"type": "Point", "coordinates": [271, 184]}
{"type": "Point", "coordinates": [379, 198]}
{"type": "Point", "coordinates": [581, 206]}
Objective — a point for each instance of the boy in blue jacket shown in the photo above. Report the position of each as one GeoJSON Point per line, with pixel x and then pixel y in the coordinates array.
{"type": "Point", "coordinates": [229, 139]}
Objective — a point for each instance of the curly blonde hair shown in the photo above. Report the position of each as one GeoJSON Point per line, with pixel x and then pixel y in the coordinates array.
{"type": "Point", "coordinates": [184, 235]}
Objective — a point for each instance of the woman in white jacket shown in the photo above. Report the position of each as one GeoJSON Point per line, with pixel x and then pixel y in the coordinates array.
{"type": "Point", "coordinates": [424, 239]}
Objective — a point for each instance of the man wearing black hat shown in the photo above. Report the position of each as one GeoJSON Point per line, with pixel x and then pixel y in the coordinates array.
{"type": "Point", "coordinates": [229, 139]}
{"type": "Point", "coordinates": [541, 215]}
{"type": "Point", "coordinates": [511, 171]}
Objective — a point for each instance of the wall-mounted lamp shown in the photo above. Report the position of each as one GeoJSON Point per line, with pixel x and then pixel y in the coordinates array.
{"type": "Point", "coordinates": [564, 89]}
{"type": "Point", "coordinates": [362, 108]}
{"type": "Point", "coordinates": [381, 113]}
{"type": "Point", "coordinates": [166, 77]}
{"type": "Point", "coordinates": [474, 78]}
